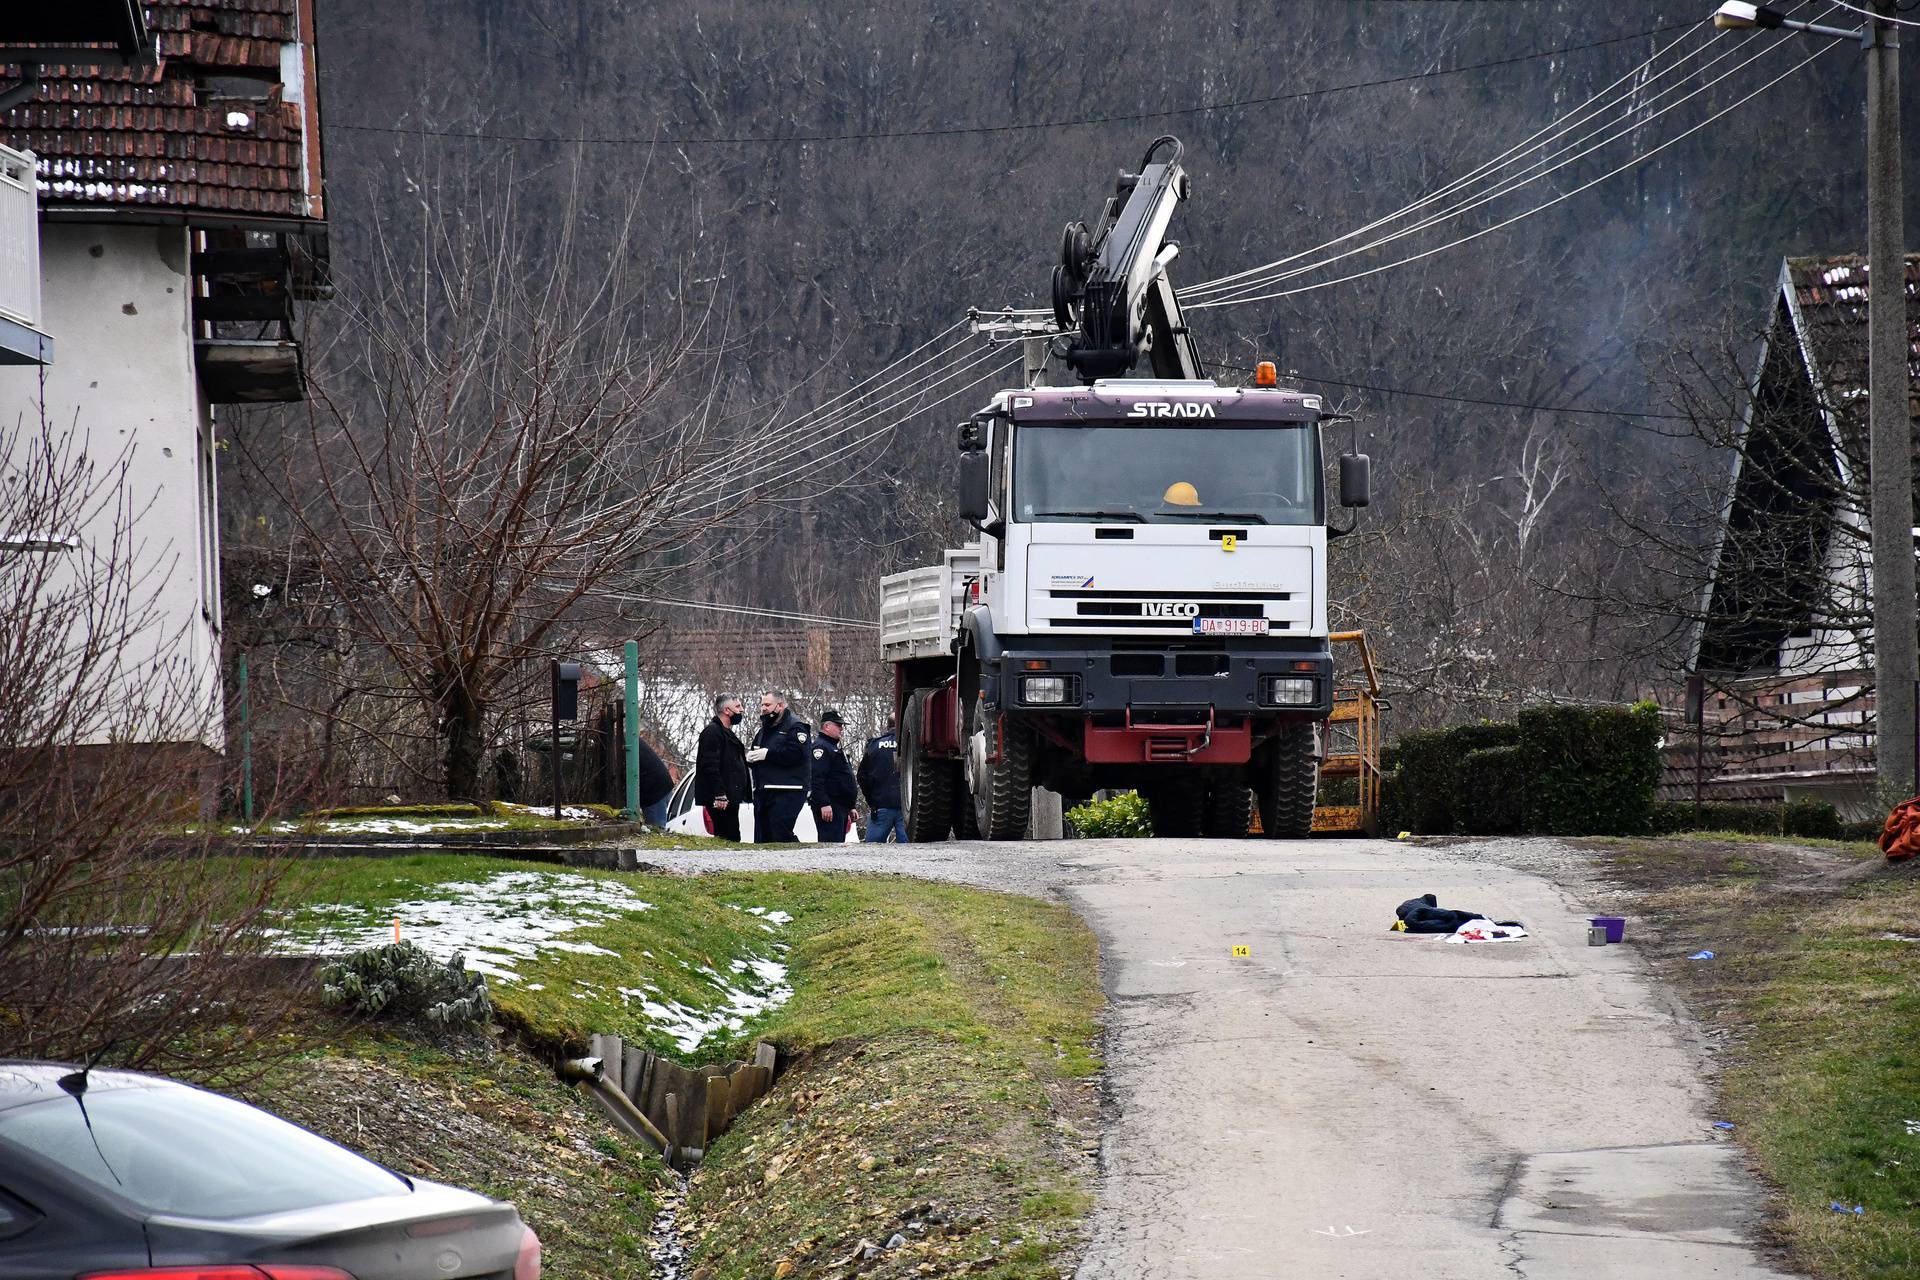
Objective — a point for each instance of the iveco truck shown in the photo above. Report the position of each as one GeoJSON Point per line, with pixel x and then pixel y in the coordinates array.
{"type": "Point", "coordinates": [1145, 609]}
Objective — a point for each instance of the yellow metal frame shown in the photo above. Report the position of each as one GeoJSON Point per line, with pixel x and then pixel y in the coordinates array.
{"type": "Point", "coordinates": [1353, 745]}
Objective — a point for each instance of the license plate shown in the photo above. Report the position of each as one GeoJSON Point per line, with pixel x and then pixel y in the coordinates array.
{"type": "Point", "coordinates": [1230, 626]}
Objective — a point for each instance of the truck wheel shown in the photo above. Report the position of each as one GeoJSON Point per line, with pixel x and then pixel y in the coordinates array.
{"type": "Point", "coordinates": [1229, 813]}
{"type": "Point", "coordinates": [965, 827]}
{"type": "Point", "coordinates": [926, 782]}
{"type": "Point", "coordinates": [1286, 784]}
{"type": "Point", "coordinates": [1003, 792]}
{"type": "Point", "coordinates": [1177, 808]}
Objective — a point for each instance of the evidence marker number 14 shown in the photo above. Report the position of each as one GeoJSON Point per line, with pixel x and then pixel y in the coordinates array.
{"type": "Point", "coordinates": [1241, 951]}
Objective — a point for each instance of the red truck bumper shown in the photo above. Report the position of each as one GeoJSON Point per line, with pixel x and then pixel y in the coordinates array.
{"type": "Point", "coordinates": [1200, 743]}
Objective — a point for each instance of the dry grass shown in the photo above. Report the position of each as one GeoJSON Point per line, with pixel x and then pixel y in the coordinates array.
{"type": "Point", "coordinates": [1817, 987]}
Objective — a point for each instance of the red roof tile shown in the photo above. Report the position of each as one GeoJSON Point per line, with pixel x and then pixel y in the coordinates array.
{"type": "Point", "coordinates": [149, 136]}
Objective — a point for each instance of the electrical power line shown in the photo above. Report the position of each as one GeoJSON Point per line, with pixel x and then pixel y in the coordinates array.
{"type": "Point", "coordinates": [1635, 117]}
{"type": "Point", "coordinates": [1559, 123]}
{"type": "Point", "coordinates": [1884, 17]}
{"type": "Point", "coordinates": [744, 610]}
{"type": "Point", "coordinates": [1474, 400]}
{"type": "Point", "coordinates": [1548, 204]}
{"type": "Point", "coordinates": [1072, 122]}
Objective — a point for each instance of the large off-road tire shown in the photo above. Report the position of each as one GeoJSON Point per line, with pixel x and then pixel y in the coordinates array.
{"type": "Point", "coordinates": [1002, 790]}
{"type": "Point", "coordinates": [965, 825]}
{"type": "Point", "coordinates": [1286, 783]}
{"type": "Point", "coordinates": [1229, 813]}
{"type": "Point", "coordinates": [926, 782]}
{"type": "Point", "coordinates": [1177, 808]}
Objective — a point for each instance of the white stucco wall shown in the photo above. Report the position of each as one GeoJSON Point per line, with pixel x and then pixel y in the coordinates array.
{"type": "Point", "coordinates": [117, 302]}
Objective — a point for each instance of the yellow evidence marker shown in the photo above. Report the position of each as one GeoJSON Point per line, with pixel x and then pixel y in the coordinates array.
{"type": "Point", "coordinates": [1229, 542]}
{"type": "Point", "coordinates": [1242, 952]}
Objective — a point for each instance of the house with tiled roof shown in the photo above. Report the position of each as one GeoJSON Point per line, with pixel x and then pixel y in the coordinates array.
{"type": "Point", "coordinates": [181, 221]}
{"type": "Point", "coordinates": [1783, 638]}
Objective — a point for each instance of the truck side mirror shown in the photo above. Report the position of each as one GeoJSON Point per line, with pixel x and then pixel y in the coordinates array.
{"type": "Point", "coordinates": [1356, 479]}
{"type": "Point", "coordinates": [975, 493]}
{"type": "Point", "coordinates": [973, 436]}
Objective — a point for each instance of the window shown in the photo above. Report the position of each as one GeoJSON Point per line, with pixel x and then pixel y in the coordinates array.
{"type": "Point", "coordinates": [15, 1217]}
{"type": "Point", "coordinates": [1249, 473]}
{"type": "Point", "coordinates": [181, 1151]}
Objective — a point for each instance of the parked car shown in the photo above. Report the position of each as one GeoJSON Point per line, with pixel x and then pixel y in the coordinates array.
{"type": "Point", "coordinates": [689, 819]}
{"type": "Point", "coordinates": [115, 1175]}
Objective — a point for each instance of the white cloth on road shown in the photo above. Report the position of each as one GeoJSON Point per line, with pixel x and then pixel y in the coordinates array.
{"type": "Point", "coordinates": [1488, 931]}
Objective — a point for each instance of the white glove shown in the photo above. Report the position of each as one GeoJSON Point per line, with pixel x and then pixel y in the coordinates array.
{"type": "Point", "coordinates": [756, 755]}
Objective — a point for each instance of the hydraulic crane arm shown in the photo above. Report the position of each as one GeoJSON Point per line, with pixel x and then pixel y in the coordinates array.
{"type": "Point", "coordinates": [1111, 291]}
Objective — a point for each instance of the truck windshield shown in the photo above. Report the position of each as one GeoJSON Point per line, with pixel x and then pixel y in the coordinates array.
{"type": "Point", "coordinates": [1248, 472]}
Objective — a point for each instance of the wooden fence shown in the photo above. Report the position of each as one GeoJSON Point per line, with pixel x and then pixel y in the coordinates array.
{"type": "Point", "coordinates": [682, 1109]}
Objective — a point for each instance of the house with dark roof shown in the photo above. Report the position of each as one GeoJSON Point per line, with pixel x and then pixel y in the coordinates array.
{"type": "Point", "coordinates": [1783, 636]}
{"type": "Point", "coordinates": [181, 215]}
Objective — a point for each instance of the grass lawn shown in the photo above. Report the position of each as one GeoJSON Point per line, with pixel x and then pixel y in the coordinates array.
{"type": "Point", "coordinates": [942, 1089]}
{"type": "Point", "coordinates": [1816, 986]}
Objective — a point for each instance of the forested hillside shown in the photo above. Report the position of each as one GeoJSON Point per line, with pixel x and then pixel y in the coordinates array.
{"type": "Point", "coordinates": [830, 186]}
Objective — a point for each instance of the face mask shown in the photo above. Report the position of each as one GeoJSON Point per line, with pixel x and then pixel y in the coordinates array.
{"type": "Point", "coordinates": [733, 717]}
{"type": "Point", "coordinates": [768, 717]}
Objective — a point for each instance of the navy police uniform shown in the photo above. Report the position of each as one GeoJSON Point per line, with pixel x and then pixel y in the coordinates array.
{"type": "Point", "coordinates": [780, 780]}
{"type": "Point", "coordinates": [833, 786]}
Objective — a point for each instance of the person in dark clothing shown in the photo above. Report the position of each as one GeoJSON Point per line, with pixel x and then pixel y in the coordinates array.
{"type": "Point", "coordinates": [834, 790]}
{"type": "Point", "coordinates": [656, 784]}
{"type": "Point", "coordinates": [781, 771]}
{"type": "Point", "coordinates": [721, 784]}
{"type": "Point", "coordinates": [880, 782]}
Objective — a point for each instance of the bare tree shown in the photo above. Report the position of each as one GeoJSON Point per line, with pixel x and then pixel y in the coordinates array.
{"type": "Point", "coordinates": [510, 431]}
{"type": "Point", "coordinates": [112, 936]}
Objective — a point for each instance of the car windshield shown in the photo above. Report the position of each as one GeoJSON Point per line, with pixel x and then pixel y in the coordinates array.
{"type": "Point", "coordinates": [194, 1154]}
{"type": "Point", "coordinates": [1249, 473]}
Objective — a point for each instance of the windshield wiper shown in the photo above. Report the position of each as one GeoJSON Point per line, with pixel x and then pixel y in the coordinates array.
{"type": "Point", "coordinates": [1133, 516]}
{"type": "Point", "coordinates": [1251, 517]}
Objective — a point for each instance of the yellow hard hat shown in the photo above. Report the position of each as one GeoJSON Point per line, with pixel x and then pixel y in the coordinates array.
{"type": "Point", "coordinates": [1181, 494]}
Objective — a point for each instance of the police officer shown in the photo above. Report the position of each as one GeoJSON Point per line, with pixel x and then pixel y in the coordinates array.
{"type": "Point", "coordinates": [880, 780]}
{"type": "Point", "coordinates": [780, 770]}
{"type": "Point", "coordinates": [834, 791]}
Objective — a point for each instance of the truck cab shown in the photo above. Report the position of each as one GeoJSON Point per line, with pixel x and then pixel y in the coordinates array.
{"type": "Point", "coordinates": [1145, 608]}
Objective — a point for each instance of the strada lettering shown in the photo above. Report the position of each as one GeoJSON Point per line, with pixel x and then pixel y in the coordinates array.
{"type": "Point", "coordinates": [1152, 409]}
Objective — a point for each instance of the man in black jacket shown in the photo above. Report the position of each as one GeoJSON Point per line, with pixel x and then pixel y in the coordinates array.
{"type": "Point", "coordinates": [656, 784]}
{"type": "Point", "coordinates": [720, 781]}
{"type": "Point", "coordinates": [834, 791]}
{"type": "Point", "coordinates": [780, 761]}
{"type": "Point", "coordinates": [880, 781]}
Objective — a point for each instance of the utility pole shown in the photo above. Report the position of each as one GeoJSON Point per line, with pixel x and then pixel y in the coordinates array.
{"type": "Point", "coordinates": [1889, 430]}
{"type": "Point", "coordinates": [630, 724]}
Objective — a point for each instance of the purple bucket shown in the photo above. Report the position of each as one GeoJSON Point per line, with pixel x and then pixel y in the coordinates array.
{"type": "Point", "coordinates": [1616, 926]}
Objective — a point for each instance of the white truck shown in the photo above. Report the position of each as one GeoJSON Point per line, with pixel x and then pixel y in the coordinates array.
{"type": "Point", "coordinates": [1146, 605]}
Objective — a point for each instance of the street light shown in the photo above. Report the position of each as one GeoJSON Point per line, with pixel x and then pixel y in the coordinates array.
{"type": "Point", "coordinates": [1735, 15]}
{"type": "Point", "coordinates": [1889, 430]}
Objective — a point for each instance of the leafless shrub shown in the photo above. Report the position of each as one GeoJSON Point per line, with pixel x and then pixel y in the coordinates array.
{"type": "Point", "coordinates": [113, 938]}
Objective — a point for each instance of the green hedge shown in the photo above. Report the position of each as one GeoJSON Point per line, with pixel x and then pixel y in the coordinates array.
{"type": "Point", "coordinates": [1670, 816]}
{"type": "Point", "coordinates": [1123, 816]}
{"type": "Point", "coordinates": [1813, 818]}
{"type": "Point", "coordinates": [1490, 791]}
{"type": "Point", "coordinates": [1592, 770]}
{"type": "Point", "coordinates": [1428, 771]}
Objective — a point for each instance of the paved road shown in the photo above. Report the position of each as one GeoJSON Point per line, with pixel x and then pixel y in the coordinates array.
{"type": "Point", "coordinates": [1350, 1102]}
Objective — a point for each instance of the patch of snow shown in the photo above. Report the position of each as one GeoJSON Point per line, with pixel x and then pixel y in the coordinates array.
{"type": "Point", "coordinates": [497, 923]}
{"type": "Point", "coordinates": [689, 1027]}
{"type": "Point", "coordinates": [775, 917]}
